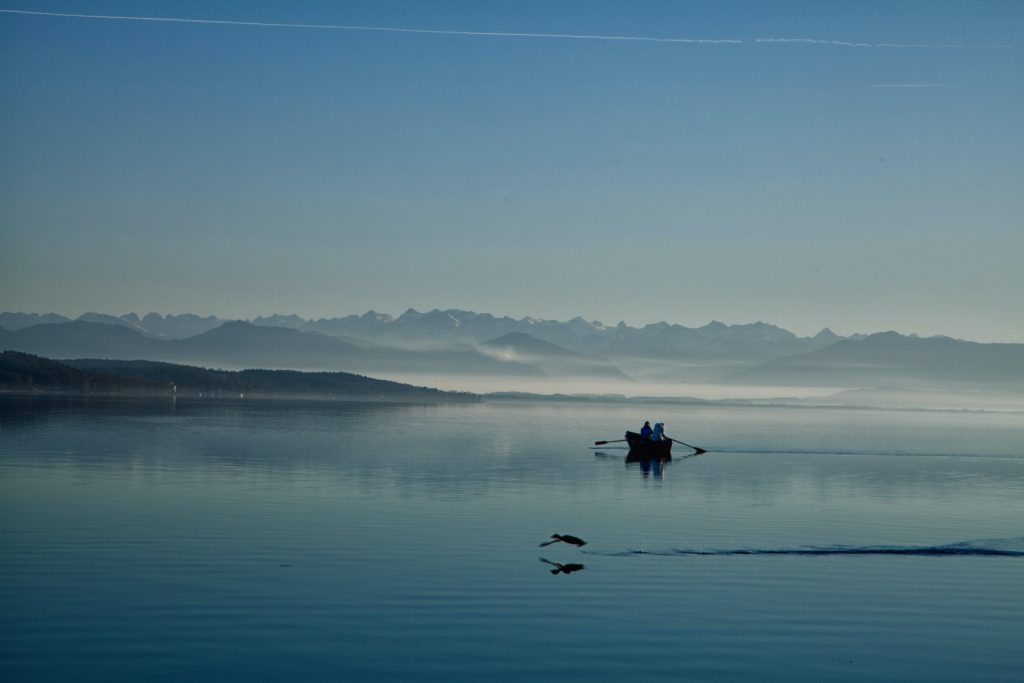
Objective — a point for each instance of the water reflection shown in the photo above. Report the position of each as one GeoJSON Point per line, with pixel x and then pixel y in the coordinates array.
{"type": "Point", "coordinates": [140, 527]}
{"type": "Point", "coordinates": [560, 568]}
{"type": "Point", "coordinates": [464, 452]}
{"type": "Point", "coordinates": [649, 467]}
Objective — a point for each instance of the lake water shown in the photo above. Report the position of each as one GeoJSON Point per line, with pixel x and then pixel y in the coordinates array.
{"type": "Point", "coordinates": [301, 541]}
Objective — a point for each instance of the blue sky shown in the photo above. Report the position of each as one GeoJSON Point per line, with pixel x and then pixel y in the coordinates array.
{"type": "Point", "coordinates": [244, 170]}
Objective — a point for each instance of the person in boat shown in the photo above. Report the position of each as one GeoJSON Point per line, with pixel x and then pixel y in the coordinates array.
{"type": "Point", "coordinates": [645, 431]}
{"type": "Point", "coordinates": [659, 431]}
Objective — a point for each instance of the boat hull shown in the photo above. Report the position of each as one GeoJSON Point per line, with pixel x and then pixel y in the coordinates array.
{"type": "Point", "coordinates": [645, 449]}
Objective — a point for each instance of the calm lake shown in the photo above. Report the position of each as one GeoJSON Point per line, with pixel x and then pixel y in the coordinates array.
{"type": "Point", "coordinates": [299, 541]}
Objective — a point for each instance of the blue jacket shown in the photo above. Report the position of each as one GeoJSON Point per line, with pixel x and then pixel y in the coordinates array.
{"type": "Point", "coordinates": [659, 432]}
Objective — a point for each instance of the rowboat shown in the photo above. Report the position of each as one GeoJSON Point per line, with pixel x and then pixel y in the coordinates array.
{"type": "Point", "coordinates": [645, 449]}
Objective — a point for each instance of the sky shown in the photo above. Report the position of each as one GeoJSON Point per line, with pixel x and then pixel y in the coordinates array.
{"type": "Point", "coordinates": [866, 177]}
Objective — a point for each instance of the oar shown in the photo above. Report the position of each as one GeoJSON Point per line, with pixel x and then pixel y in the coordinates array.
{"type": "Point", "coordinates": [601, 443]}
{"type": "Point", "coordinates": [699, 450]}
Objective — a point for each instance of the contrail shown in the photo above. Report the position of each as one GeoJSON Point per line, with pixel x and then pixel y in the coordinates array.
{"type": "Point", "coordinates": [389, 29]}
{"type": "Point", "coordinates": [844, 43]}
{"type": "Point", "coordinates": [492, 34]}
{"type": "Point", "coordinates": [910, 85]}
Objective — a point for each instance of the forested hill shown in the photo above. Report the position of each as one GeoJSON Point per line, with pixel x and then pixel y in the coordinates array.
{"type": "Point", "coordinates": [21, 372]}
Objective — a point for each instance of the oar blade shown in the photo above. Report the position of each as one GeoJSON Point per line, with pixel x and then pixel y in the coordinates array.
{"type": "Point", "coordinates": [697, 451]}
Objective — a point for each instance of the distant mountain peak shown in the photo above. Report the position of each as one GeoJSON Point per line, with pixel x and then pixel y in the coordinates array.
{"type": "Point", "coordinates": [524, 343]}
{"type": "Point", "coordinates": [580, 321]}
{"type": "Point", "coordinates": [17, 321]}
{"type": "Point", "coordinates": [279, 320]}
{"type": "Point", "coordinates": [555, 360]}
{"type": "Point", "coordinates": [521, 338]}
{"type": "Point", "coordinates": [94, 317]}
{"type": "Point", "coordinates": [372, 315]}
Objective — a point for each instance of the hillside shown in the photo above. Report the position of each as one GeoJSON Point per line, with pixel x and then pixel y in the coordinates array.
{"type": "Point", "coordinates": [554, 360]}
{"type": "Point", "coordinates": [21, 372]}
{"type": "Point", "coordinates": [17, 321]}
{"type": "Point", "coordinates": [79, 338]}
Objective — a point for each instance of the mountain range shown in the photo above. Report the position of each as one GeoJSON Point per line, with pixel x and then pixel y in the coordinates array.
{"type": "Point", "coordinates": [413, 329]}
{"type": "Point", "coordinates": [460, 343]}
{"type": "Point", "coordinates": [888, 359]}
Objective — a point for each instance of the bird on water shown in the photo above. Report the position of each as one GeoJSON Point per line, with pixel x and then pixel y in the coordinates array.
{"type": "Point", "coordinates": [565, 538]}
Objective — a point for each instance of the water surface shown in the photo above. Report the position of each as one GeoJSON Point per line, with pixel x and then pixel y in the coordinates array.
{"type": "Point", "coordinates": [288, 541]}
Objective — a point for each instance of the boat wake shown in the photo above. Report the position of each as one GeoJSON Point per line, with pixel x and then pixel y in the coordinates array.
{"type": "Point", "coordinates": [860, 452]}
{"type": "Point", "coordinates": [986, 548]}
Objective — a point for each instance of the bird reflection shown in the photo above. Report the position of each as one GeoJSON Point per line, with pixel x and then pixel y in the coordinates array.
{"type": "Point", "coordinates": [560, 568]}
{"type": "Point", "coordinates": [565, 538]}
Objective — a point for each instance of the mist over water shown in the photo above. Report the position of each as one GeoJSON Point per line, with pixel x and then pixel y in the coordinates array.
{"type": "Point", "coordinates": [602, 386]}
{"type": "Point", "coordinates": [892, 398]}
